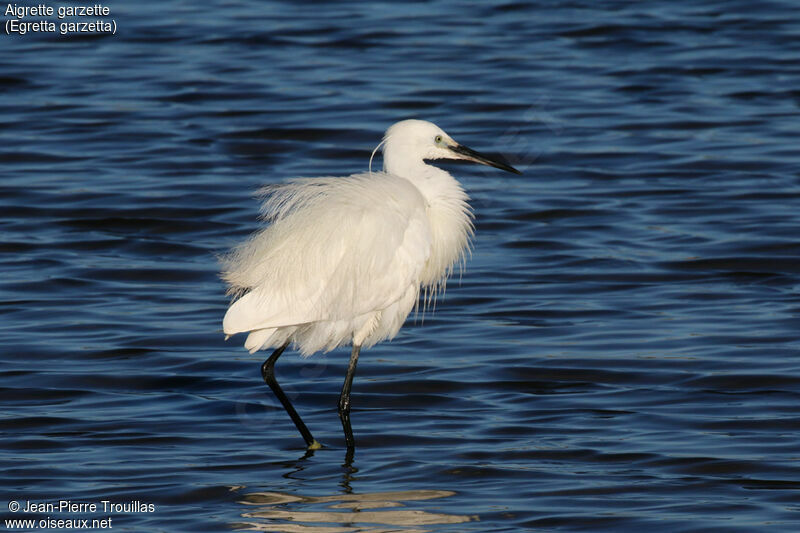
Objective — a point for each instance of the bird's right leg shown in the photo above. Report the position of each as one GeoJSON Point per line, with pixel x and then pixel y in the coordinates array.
{"type": "Point", "coordinates": [268, 373]}
{"type": "Point", "coordinates": [344, 400]}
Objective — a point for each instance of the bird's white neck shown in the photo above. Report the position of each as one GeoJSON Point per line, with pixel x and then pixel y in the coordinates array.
{"type": "Point", "coordinates": [397, 162]}
{"type": "Point", "coordinates": [448, 213]}
{"type": "Point", "coordinates": [432, 182]}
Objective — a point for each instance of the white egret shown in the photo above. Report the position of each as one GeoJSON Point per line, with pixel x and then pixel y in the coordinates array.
{"type": "Point", "coordinates": [344, 259]}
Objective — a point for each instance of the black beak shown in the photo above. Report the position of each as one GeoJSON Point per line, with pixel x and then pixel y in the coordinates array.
{"type": "Point", "coordinates": [471, 155]}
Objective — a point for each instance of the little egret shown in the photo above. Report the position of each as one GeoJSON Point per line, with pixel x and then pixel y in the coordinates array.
{"type": "Point", "coordinates": [344, 259]}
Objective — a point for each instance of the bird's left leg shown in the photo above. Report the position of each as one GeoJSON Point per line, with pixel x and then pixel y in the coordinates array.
{"type": "Point", "coordinates": [268, 373]}
{"type": "Point", "coordinates": [344, 399]}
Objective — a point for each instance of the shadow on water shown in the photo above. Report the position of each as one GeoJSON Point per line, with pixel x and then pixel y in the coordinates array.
{"type": "Point", "coordinates": [275, 511]}
{"type": "Point", "coordinates": [369, 512]}
{"type": "Point", "coordinates": [343, 512]}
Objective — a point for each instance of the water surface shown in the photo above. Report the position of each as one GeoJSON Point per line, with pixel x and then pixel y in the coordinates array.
{"type": "Point", "coordinates": [621, 352]}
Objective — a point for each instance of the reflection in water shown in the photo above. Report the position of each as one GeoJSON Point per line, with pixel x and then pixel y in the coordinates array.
{"type": "Point", "coordinates": [290, 513]}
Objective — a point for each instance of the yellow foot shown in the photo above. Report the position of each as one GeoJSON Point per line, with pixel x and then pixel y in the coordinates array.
{"type": "Point", "coordinates": [314, 445]}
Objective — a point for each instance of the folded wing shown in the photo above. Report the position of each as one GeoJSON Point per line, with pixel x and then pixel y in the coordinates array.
{"type": "Point", "coordinates": [336, 248]}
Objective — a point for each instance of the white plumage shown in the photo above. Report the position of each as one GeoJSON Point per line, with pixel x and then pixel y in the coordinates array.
{"type": "Point", "coordinates": [344, 258]}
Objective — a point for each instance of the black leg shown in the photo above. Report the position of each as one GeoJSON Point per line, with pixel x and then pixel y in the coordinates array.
{"type": "Point", "coordinates": [344, 399]}
{"type": "Point", "coordinates": [268, 373]}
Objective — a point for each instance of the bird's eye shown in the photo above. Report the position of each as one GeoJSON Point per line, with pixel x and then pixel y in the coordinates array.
{"type": "Point", "coordinates": [438, 139]}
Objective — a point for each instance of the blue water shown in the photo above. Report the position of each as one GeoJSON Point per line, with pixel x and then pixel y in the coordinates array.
{"type": "Point", "coordinates": [622, 352]}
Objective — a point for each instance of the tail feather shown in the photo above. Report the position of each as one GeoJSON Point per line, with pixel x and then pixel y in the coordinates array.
{"type": "Point", "coordinates": [258, 339]}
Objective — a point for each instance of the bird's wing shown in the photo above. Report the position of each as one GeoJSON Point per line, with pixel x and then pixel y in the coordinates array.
{"type": "Point", "coordinates": [337, 248]}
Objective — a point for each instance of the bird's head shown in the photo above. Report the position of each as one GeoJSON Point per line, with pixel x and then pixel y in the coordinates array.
{"type": "Point", "coordinates": [410, 142]}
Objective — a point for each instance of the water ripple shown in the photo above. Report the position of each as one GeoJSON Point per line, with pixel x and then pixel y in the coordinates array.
{"type": "Point", "coordinates": [619, 354]}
